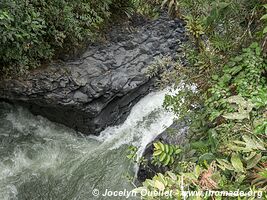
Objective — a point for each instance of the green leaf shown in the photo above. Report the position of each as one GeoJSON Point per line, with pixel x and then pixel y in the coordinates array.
{"type": "Point", "coordinates": [244, 108]}
{"type": "Point", "coordinates": [263, 174]}
{"type": "Point", "coordinates": [197, 171]}
{"type": "Point", "coordinates": [252, 143]}
{"type": "Point", "coordinates": [177, 151]}
{"type": "Point", "coordinates": [149, 182]}
{"type": "Point", "coordinates": [162, 157]}
{"type": "Point", "coordinates": [167, 160]}
{"type": "Point", "coordinates": [156, 145]}
{"type": "Point", "coordinates": [166, 146]}
{"type": "Point", "coordinates": [253, 161]}
{"type": "Point", "coordinates": [261, 128]}
{"type": "Point", "coordinates": [224, 164]}
{"type": "Point", "coordinates": [235, 146]}
{"type": "Point", "coordinates": [161, 178]}
{"type": "Point", "coordinates": [223, 5]}
{"type": "Point", "coordinates": [237, 163]}
{"type": "Point", "coordinates": [171, 150]}
{"type": "Point", "coordinates": [172, 160]}
{"type": "Point", "coordinates": [263, 17]}
{"type": "Point", "coordinates": [161, 146]}
{"type": "Point", "coordinates": [242, 103]}
{"type": "Point", "coordinates": [265, 30]}
{"type": "Point", "coordinates": [226, 78]}
{"type": "Point", "coordinates": [199, 145]}
{"type": "Point", "coordinates": [236, 115]}
{"type": "Point", "coordinates": [156, 153]}
{"type": "Point", "coordinates": [172, 175]}
{"type": "Point", "coordinates": [249, 145]}
{"type": "Point", "coordinates": [159, 185]}
{"type": "Point", "coordinates": [207, 157]}
{"type": "Point", "coordinates": [240, 179]}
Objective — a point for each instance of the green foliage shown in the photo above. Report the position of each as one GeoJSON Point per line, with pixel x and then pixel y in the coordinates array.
{"type": "Point", "coordinates": [148, 8]}
{"type": "Point", "coordinates": [165, 154]}
{"type": "Point", "coordinates": [243, 76]}
{"type": "Point", "coordinates": [227, 107]}
{"type": "Point", "coordinates": [160, 184]}
{"type": "Point", "coordinates": [233, 105]}
{"type": "Point", "coordinates": [22, 34]}
{"type": "Point", "coordinates": [132, 155]}
{"type": "Point", "coordinates": [38, 30]}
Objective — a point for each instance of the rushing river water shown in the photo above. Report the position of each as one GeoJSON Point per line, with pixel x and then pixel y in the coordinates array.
{"type": "Point", "coordinates": [41, 160]}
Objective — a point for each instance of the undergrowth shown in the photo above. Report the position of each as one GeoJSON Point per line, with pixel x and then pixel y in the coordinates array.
{"type": "Point", "coordinates": [226, 61]}
{"type": "Point", "coordinates": [35, 31]}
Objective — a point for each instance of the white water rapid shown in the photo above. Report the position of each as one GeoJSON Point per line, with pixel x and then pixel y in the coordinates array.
{"type": "Point", "coordinates": [41, 160]}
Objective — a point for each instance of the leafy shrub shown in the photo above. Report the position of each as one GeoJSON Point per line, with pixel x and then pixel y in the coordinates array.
{"type": "Point", "coordinates": [36, 30]}
{"type": "Point", "coordinates": [228, 115]}
{"type": "Point", "coordinates": [22, 36]}
{"type": "Point", "coordinates": [148, 8]}
{"type": "Point", "coordinates": [228, 130]}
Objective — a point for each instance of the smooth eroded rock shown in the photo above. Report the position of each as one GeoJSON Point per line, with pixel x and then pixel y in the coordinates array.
{"type": "Point", "coordinates": [98, 89]}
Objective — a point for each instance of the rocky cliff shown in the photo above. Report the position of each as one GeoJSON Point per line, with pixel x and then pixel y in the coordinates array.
{"type": "Point", "coordinates": [99, 88]}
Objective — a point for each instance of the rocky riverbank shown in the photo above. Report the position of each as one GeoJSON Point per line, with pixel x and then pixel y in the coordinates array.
{"type": "Point", "coordinates": [98, 89]}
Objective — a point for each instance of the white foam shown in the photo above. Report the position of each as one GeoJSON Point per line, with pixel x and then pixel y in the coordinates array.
{"type": "Point", "coordinates": [146, 120]}
{"type": "Point", "coordinates": [59, 151]}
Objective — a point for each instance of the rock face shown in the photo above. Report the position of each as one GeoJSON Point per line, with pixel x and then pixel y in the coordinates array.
{"type": "Point", "coordinates": [169, 136]}
{"type": "Point", "coordinates": [99, 88]}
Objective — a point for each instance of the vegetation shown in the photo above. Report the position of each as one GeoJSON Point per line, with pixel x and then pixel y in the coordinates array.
{"type": "Point", "coordinates": [226, 62]}
{"type": "Point", "coordinates": [223, 85]}
{"type": "Point", "coordinates": [165, 154]}
{"type": "Point", "coordinates": [48, 29]}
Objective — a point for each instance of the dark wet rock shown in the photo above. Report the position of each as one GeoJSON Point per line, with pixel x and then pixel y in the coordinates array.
{"type": "Point", "coordinates": [176, 135]}
{"type": "Point", "coordinates": [98, 89]}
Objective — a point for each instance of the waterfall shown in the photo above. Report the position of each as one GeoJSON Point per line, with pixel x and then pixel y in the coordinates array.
{"type": "Point", "coordinates": [43, 160]}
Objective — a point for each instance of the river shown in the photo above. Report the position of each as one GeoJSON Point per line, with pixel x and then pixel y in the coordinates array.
{"type": "Point", "coordinates": [42, 160]}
